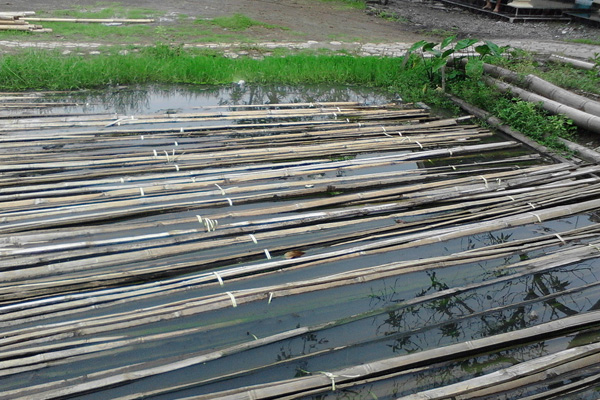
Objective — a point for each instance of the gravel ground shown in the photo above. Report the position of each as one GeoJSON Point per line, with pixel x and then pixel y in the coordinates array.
{"type": "Point", "coordinates": [432, 16]}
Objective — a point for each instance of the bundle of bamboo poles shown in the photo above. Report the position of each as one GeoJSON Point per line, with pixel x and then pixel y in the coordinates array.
{"type": "Point", "coordinates": [17, 21]}
{"type": "Point", "coordinates": [22, 21]}
{"type": "Point", "coordinates": [216, 236]}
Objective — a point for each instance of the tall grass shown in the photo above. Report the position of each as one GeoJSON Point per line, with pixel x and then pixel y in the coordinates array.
{"type": "Point", "coordinates": [167, 64]}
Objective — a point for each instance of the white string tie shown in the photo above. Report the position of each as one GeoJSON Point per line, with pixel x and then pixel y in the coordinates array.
{"type": "Point", "coordinates": [253, 238]}
{"type": "Point", "coordinates": [142, 192]}
{"type": "Point", "coordinates": [538, 217]}
{"type": "Point", "coordinates": [220, 188]}
{"type": "Point", "coordinates": [267, 254]}
{"type": "Point", "coordinates": [484, 180]}
{"type": "Point", "coordinates": [333, 376]}
{"type": "Point", "coordinates": [560, 238]}
{"type": "Point", "coordinates": [218, 278]}
{"type": "Point", "coordinates": [270, 297]}
{"type": "Point", "coordinates": [232, 297]}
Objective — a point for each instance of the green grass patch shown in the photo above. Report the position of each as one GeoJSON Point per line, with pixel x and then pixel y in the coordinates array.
{"type": "Point", "coordinates": [356, 4]}
{"type": "Point", "coordinates": [237, 23]}
{"type": "Point", "coordinates": [560, 74]}
{"type": "Point", "coordinates": [595, 42]}
{"type": "Point", "coordinates": [80, 31]}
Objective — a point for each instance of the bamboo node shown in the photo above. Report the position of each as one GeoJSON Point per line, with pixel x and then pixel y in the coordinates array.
{"type": "Point", "coordinates": [218, 278]}
{"type": "Point", "coordinates": [267, 254]}
{"type": "Point", "coordinates": [232, 297]}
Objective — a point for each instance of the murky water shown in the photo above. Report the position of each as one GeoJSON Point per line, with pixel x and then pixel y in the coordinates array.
{"type": "Point", "coordinates": [409, 310]}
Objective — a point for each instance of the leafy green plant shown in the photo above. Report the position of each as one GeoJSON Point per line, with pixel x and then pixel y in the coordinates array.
{"type": "Point", "coordinates": [435, 57]}
{"type": "Point", "coordinates": [530, 119]}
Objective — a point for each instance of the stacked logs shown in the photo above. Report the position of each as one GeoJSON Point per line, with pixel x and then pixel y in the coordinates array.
{"type": "Point", "coordinates": [16, 21]}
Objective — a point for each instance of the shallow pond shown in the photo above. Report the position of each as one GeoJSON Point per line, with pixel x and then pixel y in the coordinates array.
{"type": "Point", "coordinates": [281, 245]}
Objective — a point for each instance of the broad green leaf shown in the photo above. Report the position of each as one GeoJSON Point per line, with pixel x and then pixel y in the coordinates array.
{"type": "Point", "coordinates": [447, 41]}
{"type": "Point", "coordinates": [464, 43]}
{"type": "Point", "coordinates": [482, 50]}
{"type": "Point", "coordinates": [417, 45]}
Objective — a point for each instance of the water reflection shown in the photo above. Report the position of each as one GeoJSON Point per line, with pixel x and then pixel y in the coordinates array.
{"type": "Point", "coordinates": [170, 99]}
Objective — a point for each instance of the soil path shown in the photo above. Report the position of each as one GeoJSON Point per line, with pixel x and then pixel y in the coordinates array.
{"type": "Point", "coordinates": [310, 21]}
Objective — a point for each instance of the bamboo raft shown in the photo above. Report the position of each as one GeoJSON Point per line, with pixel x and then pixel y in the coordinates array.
{"type": "Point", "coordinates": [292, 251]}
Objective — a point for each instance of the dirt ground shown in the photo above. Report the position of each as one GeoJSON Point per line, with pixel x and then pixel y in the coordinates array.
{"type": "Point", "coordinates": [316, 20]}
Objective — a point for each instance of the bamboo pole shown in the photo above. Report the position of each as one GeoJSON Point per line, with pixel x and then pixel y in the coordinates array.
{"type": "Point", "coordinates": [535, 370]}
{"type": "Point", "coordinates": [349, 374]}
{"type": "Point", "coordinates": [546, 89]}
{"type": "Point", "coordinates": [91, 20]}
{"type": "Point", "coordinates": [580, 118]}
